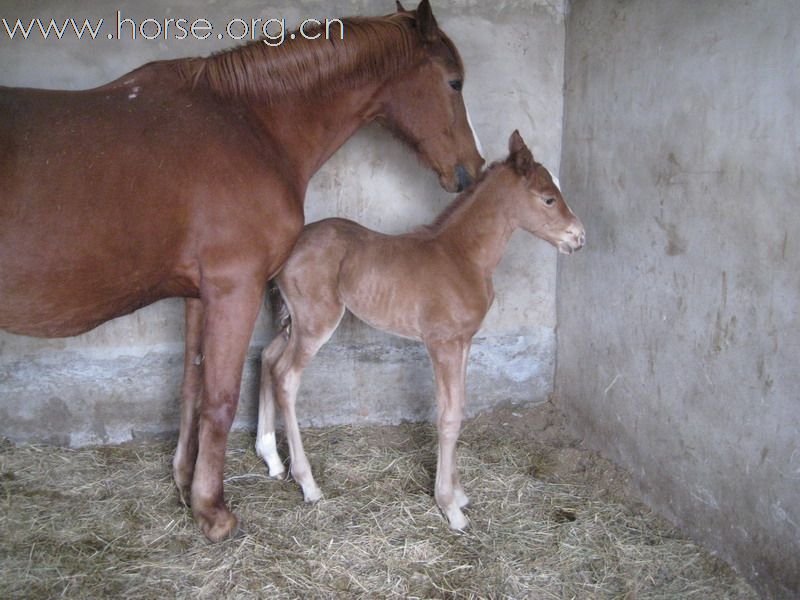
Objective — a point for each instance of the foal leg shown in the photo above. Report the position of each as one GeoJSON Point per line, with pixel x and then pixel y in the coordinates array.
{"type": "Point", "coordinates": [229, 320]}
{"type": "Point", "coordinates": [310, 330]}
{"type": "Point", "coordinates": [186, 451]}
{"type": "Point", "coordinates": [266, 447]}
{"type": "Point", "coordinates": [449, 366]}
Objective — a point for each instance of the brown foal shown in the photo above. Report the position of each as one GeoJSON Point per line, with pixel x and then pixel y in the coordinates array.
{"type": "Point", "coordinates": [433, 285]}
{"type": "Point", "coordinates": [187, 178]}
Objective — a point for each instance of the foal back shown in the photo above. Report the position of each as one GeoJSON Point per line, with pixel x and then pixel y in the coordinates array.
{"type": "Point", "coordinates": [411, 285]}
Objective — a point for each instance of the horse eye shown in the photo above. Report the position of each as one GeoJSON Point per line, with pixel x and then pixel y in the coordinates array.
{"type": "Point", "coordinates": [550, 201]}
{"type": "Point", "coordinates": [457, 84]}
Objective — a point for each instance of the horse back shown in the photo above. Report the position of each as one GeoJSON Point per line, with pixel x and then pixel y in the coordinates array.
{"type": "Point", "coordinates": [115, 197]}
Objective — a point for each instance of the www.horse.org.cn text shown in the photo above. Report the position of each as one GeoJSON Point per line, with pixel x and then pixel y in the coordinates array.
{"type": "Point", "coordinates": [271, 31]}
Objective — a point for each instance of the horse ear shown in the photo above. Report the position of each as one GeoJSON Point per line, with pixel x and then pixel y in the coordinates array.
{"type": "Point", "coordinates": [519, 155]}
{"type": "Point", "coordinates": [428, 28]}
{"type": "Point", "coordinates": [400, 7]}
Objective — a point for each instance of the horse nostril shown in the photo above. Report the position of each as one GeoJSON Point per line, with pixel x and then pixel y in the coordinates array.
{"type": "Point", "coordinates": [464, 180]}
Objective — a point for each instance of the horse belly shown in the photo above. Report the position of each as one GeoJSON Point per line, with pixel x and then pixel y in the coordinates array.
{"type": "Point", "coordinates": [46, 306]}
{"type": "Point", "coordinates": [63, 276]}
{"type": "Point", "coordinates": [93, 222]}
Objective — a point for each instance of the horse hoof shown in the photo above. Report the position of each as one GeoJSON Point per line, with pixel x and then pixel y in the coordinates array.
{"type": "Point", "coordinates": [225, 527]}
{"type": "Point", "coordinates": [184, 495]}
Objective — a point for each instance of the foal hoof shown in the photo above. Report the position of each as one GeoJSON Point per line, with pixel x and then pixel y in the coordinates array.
{"type": "Point", "coordinates": [456, 519]}
{"type": "Point", "coordinates": [276, 471]}
{"type": "Point", "coordinates": [312, 494]}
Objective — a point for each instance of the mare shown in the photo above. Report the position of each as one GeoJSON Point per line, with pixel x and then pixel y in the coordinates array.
{"type": "Point", "coordinates": [186, 178]}
{"type": "Point", "coordinates": [433, 285]}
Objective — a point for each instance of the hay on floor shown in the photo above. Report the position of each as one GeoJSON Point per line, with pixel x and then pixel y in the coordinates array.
{"type": "Point", "coordinates": [548, 520]}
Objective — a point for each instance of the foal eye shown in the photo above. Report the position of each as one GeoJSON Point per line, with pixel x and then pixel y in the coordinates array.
{"type": "Point", "coordinates": [457, 84]}
{"type": "Point", "coordinates": [549, 201]}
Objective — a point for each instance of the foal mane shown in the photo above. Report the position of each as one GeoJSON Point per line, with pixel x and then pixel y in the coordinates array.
{"type": "Point", "coordinates": [466, 197]}
{"type": "Point", "coordinates": [372, 47]}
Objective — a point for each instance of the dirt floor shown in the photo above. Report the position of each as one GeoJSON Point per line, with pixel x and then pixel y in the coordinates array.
{"type": "Point", "coordinates": [549, 519]}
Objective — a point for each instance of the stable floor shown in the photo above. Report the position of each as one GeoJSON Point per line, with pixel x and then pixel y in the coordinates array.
{"type": "Point", "coordinates": [549, 519]}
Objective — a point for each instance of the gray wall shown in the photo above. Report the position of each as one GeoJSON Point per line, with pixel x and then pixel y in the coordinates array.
{"type": "Point", "coordinates": [678, 325]}
{"type": "Point", "coordinates": [121, 380]}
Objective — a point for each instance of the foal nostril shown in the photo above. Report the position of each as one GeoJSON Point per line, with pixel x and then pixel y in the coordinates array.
{"type": "Point", "coordinates": [464, 180]}
{"type": "Point", "coordinates": [578, 236]}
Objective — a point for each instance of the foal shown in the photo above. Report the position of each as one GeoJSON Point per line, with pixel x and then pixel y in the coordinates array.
{"type": "Point", "coordinates": [433, 285]}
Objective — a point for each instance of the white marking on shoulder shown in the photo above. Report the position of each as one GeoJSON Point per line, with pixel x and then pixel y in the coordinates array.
{"type": "Point", "coordinates": [474, 135]}
{"type": "Point", "coordinates": [134, 92]}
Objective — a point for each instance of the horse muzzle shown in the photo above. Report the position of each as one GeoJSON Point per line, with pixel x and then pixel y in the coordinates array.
{"type": "Point", "coordinates": [463, 178]}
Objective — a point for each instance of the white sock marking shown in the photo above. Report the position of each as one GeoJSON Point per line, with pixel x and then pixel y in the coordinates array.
{"type": "Point", "coordinates": [268, 450]}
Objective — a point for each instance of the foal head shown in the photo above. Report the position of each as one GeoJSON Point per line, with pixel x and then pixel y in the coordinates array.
{"type": "Point", "coordinates": [423, 104]}
{"type": "Point", "coordinates": [540, 208]}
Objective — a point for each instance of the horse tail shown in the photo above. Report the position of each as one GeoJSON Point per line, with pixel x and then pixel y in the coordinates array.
{"type": "Point", "coordinates": [280, 311]}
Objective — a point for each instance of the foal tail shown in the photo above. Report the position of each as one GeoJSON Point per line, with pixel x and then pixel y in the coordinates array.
{"type": "Point", "coordinates": [280, 311]}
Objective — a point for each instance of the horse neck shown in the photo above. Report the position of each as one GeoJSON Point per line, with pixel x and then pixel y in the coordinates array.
{"type": "Point", "coordinates": [312, 95]}
{"type": "Point", "coordinates": [479, 227]}
{"type": "Point", "coordinates": [310, 130]}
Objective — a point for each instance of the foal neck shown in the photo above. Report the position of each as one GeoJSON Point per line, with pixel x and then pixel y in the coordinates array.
{"type": "Point", "coordinates": [478, 225]}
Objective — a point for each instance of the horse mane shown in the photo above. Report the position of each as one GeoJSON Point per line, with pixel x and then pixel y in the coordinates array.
{"type": "Point", "coordinates": [372, 47]}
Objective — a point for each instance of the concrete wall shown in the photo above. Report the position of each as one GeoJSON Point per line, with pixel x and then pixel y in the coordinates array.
{"type": "Point", "coordinates": [678, 325]}
{"type": "Point", "coordinates": [122, 379]}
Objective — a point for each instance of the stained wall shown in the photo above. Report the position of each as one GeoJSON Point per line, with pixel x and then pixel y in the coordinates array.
{"type": "Point", "coordinates": [678, 326]}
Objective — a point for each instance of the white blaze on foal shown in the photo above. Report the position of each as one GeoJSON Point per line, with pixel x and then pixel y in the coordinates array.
{"type": "Point", "coordinates": [555, 180]}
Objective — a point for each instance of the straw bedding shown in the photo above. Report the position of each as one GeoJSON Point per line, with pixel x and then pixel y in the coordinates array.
{"type": "Point", "coordinates": [549, 519]}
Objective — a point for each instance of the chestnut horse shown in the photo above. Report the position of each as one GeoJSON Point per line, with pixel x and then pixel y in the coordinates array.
{"type": "Point", "coordinates": [432, 285]}
{"type": "Point", "coordinates": [187, 178]}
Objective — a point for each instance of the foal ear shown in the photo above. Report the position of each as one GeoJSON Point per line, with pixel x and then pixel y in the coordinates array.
{"type": "Point", "coordinates": [519, 155]}
{"type": "Point", "coordinates": [515, 142]}
{"type": "Point", "coordinates": [400, 7]}
{"type": "Point", "coordinates": [426, 22]}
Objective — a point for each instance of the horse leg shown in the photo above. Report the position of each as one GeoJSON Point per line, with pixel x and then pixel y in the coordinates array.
{"type": "Point", "coordinates": [186, 451]}
{"type": "Point", "coordinates": [229, 320]}
{"type": "Point", "coordinates": [310, 330]}
{"type": "Point", "coordinates": [449, 366]}
{"type": "Point", "coordinates": [266, 447]}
